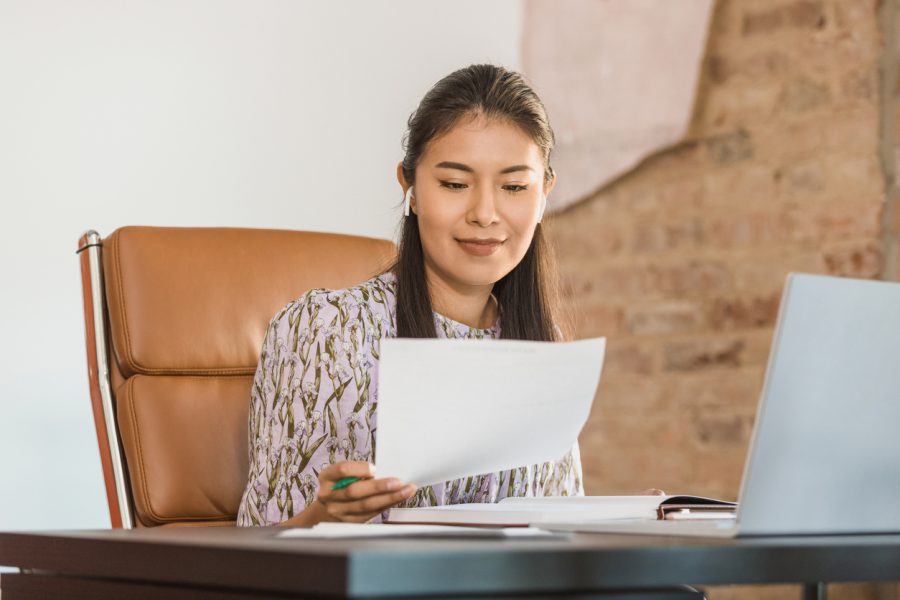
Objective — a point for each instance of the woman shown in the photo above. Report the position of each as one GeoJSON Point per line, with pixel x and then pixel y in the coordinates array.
{"type": "Point", "coordinates": [471, 264]}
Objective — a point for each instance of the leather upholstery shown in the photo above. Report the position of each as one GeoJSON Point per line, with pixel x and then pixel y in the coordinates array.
{"type": "Point", "coordinates": [188, 308]}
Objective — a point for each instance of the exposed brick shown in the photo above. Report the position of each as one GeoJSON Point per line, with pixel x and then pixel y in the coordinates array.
{"type": "Point", "coordinates": [723, 69]}
{"type": "Point", "coordinates": [864, 262]}
{"type": "Point", "coordinates": [703, 354]}
{"type": "Point", "coordinates": [736, 390]}
{"type": "Point", "coordinates": [599, 320]}
{"type": "Point", "coordinates": [808, 15]}
{"type": "Point", "coordinates": [836, 221]}
{"type": "Point", "coordinates": [722, 427]}
{"type": "Point", "coordinates": [804, 177]}
{"type": "Point", "coordinates": [682, 261]}
{"type": "Point", "coordinates": [750, 229]}
{"type": "Point", "coordinates": [629, 393]}
{"type": "Point", "coordinates": [804, 14]}
{"type": "Point", "coordinates": [804, 94]}
{"type": "Point", "coordinates": [624, 357]}
{"type": "Point", "coordinates": [652, 236]}
{"type": "Point", "coordinates": [739, 186]}
{"type": "Point", "coordinates": [730, 147]}
{"type": "Point", "coordinates": [665, 317]}
{"type": "Point", "coordinates": [763, 270]}
{"type": "Point", "coordinates": [744, 313]}
{"type": "Point", "coordinates": [859, 85]}
{"type": "Point", "coordinates": [762, 22]}
{"type": "Point", "coordinates": [681, 194]}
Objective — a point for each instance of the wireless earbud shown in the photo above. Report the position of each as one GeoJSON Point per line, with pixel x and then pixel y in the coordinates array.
{"type": "Point", "coordinates": [543, 208]}
{"type": "Point", "coordinates": [406, 200]}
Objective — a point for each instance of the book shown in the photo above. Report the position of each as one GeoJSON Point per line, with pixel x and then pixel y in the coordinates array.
{"type": "Point", "coordinates": [524, 512]}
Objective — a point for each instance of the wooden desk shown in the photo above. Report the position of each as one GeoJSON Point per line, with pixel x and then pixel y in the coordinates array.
{"type": "Point", "coordinates": [238, 563]}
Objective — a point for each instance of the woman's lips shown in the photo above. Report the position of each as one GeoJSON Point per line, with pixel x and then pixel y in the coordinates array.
{"type": "Point", "coordinates": [477, 247]}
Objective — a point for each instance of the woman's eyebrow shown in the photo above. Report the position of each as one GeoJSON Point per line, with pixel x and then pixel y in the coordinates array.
{"type": "Point", "coordinates": [461, 167]}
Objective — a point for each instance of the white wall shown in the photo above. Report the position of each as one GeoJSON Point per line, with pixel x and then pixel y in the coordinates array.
{"type": "Point", "coordinates": [185, 112]}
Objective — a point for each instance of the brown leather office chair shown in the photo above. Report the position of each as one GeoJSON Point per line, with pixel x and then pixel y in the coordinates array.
{"type": "Point", "coordinates": [174, 321]}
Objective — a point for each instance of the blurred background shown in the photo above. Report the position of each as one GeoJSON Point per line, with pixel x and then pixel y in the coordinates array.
{"type": "Point", "coordinates": [705, 149]}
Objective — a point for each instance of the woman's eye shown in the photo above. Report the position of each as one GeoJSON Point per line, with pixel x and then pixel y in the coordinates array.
{"type": "Point", "coordinates": [515, 188]}
{"type": "Point", "coordinates": [452, 185]}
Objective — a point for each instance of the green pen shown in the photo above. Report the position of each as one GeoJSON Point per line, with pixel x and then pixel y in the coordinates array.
{"type": "Point", "coordinates": [342, 483]}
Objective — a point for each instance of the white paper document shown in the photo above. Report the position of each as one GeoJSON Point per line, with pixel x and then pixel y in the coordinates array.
{"type": "Point", "coordinates": [379, 530]}
{"type": "Point", "coordinates": [453, 408]}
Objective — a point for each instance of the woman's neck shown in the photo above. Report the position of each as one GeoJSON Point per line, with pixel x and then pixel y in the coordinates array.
{"type": "Point", "coordinates": [470, 305]}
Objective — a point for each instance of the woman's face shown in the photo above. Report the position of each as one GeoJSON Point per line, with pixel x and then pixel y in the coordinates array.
{"type": "Point", "coordinates": [478, 195]}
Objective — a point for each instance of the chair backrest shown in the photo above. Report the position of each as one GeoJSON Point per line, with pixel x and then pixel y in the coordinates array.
{"type": "Point", "coordinates": [175, 319]}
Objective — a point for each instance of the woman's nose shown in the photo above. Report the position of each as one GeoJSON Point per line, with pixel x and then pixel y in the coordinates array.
{"type": "Point", "coordinates": [482, 209]}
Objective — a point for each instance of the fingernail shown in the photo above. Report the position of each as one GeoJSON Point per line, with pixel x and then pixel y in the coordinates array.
{"type": "Point", "coordinates": [395, 484]}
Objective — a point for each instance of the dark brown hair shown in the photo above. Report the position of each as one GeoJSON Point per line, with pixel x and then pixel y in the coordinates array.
{"type": "Point", "coordinates": [528, 294]}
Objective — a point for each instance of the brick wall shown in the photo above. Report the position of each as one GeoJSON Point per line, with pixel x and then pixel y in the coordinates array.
{"type": "Point", "coordinates": [681, 262]}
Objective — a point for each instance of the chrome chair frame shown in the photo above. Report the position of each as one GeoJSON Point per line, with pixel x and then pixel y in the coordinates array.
{"type": "Point", "coordinates": [96, 338]}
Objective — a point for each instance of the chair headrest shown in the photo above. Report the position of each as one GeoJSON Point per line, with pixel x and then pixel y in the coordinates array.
{"type": "Point", "coordinates": [198, 300]}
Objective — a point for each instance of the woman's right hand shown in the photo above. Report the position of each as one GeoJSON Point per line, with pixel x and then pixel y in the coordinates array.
{"type": "Point", "coordinates": [363, 499]}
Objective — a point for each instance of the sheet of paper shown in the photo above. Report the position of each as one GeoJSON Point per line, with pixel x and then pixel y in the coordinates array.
{"type": "Point", "coordinates": [380, 530]}
{"type": "Point", "coordinates": [453, 408]}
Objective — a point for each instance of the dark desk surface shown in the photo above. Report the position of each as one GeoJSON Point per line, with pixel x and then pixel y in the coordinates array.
{"type": "Point", "coordinates": [254, 559]}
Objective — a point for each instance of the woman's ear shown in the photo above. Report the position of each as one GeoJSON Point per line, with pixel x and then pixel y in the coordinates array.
{"type": "Point", "coordinates": [407, 192]}
{"type": "Point", "coordinates": [549, 185]}
{"type": "Point", "coordinates": [401, 178]}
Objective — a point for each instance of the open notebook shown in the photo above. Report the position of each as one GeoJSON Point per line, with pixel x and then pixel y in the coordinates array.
{"type": "Point", "coordinates": [522, 512]}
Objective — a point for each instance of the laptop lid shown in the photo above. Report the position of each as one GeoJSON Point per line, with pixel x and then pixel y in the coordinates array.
{"type": "Point", "coordinates": [825, 455]}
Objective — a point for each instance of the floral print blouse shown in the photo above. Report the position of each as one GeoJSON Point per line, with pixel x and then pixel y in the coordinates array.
{"type": "Point", "coordinates": [314, 402]}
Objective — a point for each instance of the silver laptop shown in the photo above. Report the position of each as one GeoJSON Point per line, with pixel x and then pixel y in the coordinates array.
{"type": "Point", "coordinates": [825, 453]}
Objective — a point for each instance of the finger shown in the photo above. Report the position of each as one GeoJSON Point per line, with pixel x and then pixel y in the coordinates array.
{"type": "Point", "coordinates": [653, 492]}
{"type": "Point", "coordinates": [370, 506]}
{"type": "Point", "coordinates": [376, 504]}
{"type": "Point", "coordinates": [360, 489]}
{"type": "Point", "coordinates": [347, 468]}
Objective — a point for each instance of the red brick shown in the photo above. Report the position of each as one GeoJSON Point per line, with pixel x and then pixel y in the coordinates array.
{"type": "Point", "coordinates": [862, 262]}
{"type": "Point", "coordinates": [730, 148]}
{"type": "Point", "coordinates": [859, 85]}
{"type": "Point", "coordinates": [625, 357]}
{"type": "Point", "coordinates": [750, 229]}
{"type": "Point", "coordinates": [804, 94]}
{"type": "Point", "coordinates": [600, 320]}
{"type": "Point", "coordinates": [722, 427]}
{"type": "Point", "coordinates": [762, 22]}
{"type": "Point", "coordinates": [744, 313]}
{"type": "Point", "coordinates": [665, 317]}
{"type": "Point", "coordinates": [653, 236]}
{"type": "Point", "coordinates": [836, 221]}
{"type": "Point", "coordinates": [803, 177]}
{"type": "Point", "coordinates": [806, 14]}
{"type": "Point", "coordinates": [759, 67]}
{"type": "Point", "coordinates": [740, 185]}
{"type": "Point", "coordinates": [630, 393]}
{"type": "Point", "coordinates": [737, 389]}
{"type": "Point", "coordinates": [691, 277]}
{"type": "Point", "coordinates": [586, 239]}
{"type": "Point", "coordinates": [703, 354]}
